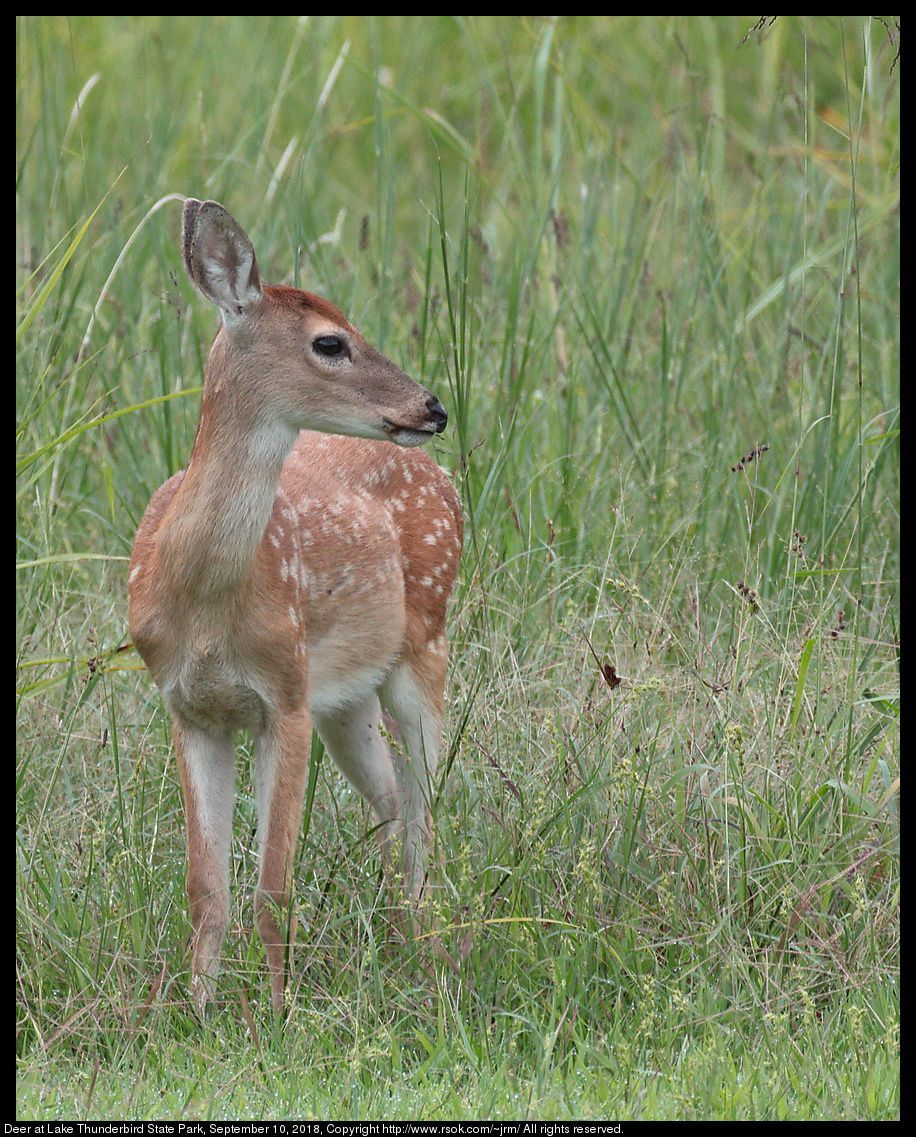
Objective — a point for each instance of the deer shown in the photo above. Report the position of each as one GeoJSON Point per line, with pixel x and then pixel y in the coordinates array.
{"type": "Point", "coordinates": [295, 576]}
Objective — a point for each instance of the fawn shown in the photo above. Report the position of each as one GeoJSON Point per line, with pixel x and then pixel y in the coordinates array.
{"type": "Point", "coordinates": [290, 577]}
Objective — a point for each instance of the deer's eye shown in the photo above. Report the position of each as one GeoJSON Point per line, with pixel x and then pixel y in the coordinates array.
{"type": "Point", "coordinates": [328, 345]}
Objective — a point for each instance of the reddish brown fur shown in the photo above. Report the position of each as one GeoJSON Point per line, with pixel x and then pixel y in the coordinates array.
{"type": "Point", "coordinates": [283, 578]}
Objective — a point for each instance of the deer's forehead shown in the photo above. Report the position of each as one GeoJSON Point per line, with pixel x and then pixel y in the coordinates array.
{"type": "Point", "coordinates": [314, 308]}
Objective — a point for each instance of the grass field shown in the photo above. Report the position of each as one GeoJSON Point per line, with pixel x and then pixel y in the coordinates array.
{"type": "Point", "coordinates": [651, 266]}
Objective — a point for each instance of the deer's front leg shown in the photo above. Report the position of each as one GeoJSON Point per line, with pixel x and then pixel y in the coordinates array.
{"type": "Point", "coordinates": [207, 766]}
{"type": "Point", "coordinates": [281, 770]}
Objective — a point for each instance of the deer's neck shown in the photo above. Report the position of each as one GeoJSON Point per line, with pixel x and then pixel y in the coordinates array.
{"type": "Point", "coordinates": [209, 538]}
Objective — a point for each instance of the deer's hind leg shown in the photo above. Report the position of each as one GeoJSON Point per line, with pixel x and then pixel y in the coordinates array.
{"type": "Point", "coordinates": [413, 695]}
{"type": "Point", "coordinates": [353, 737]}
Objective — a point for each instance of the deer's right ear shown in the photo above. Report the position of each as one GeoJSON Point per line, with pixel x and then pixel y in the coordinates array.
{"type": "Point", "coordinates": [219, 258]}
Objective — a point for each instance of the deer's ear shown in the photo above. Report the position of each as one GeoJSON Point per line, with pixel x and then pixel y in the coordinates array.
{"type": "Point", "coordinates": [219, 258]}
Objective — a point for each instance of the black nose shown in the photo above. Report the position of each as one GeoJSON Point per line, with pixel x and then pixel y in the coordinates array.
{"type": "Point", "coordinates": [437, 413]}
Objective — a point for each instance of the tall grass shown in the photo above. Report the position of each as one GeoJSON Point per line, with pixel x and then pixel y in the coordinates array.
{"type": "Point", "coordinates": [651, 265]}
